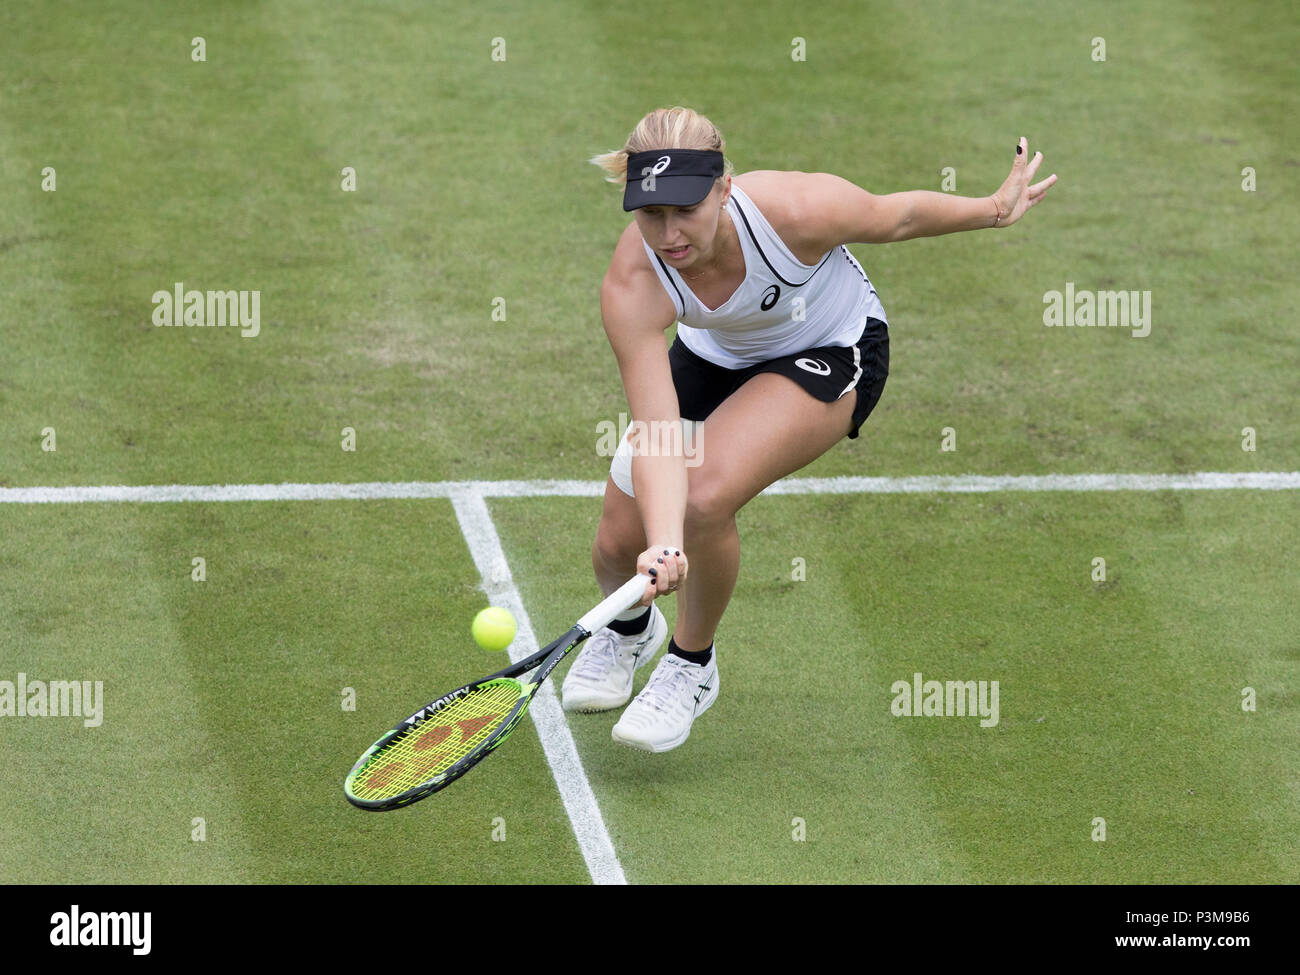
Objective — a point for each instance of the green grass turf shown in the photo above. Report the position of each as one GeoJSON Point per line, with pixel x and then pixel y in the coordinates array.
{"type": "Point", "coordinates": [224, 698]}
{"type": "Point", "coordinates": [473, 185]}
{"type": "Point", "coordinates": [376, 314]}
{"type": "Point", "coordinates": [1119, 700]}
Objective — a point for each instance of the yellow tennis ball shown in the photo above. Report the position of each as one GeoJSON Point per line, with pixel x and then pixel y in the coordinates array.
{"type": "Point", "coordinates": [494, 628]}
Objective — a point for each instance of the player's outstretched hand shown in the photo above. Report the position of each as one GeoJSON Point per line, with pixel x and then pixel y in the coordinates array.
{"type": "Point", "coordinates": [1016, 195]}
{"type": "Point", "coordinates": [666, 565]}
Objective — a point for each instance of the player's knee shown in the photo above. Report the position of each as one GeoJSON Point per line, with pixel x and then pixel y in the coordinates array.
{"type": "Point", "coordinates": [708, 508]}
{"type": "Point", "coordinates": [614, 546]}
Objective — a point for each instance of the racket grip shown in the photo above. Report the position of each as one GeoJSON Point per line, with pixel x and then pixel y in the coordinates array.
{"type": "Point", "coordinates": [628, 594]}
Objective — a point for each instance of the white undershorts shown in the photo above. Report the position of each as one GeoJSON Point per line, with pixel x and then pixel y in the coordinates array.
{"type": "Point", "coordinates": [620, 468]}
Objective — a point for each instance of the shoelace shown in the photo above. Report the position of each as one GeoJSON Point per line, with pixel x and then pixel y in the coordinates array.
{"type": "Point", "coordinates": [599, 655]}
{"type": "Point", "coordinates": [667, 685]}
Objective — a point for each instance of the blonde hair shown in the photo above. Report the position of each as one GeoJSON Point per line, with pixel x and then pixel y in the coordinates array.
{"type": "Point", "coordinates": [664, 128]}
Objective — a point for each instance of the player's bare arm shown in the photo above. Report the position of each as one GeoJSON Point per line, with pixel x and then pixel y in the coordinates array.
{"type": "Point", "coordinates": [831, 210]}
{"type": "Point", "coordinates": [636, 312]}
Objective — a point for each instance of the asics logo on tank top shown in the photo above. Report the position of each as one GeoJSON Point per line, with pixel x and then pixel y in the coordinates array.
{"type": "Point", "coordinates": [759, 320]}
{"type": "Point", "coordinates": [662, 163]}
{"type": "Point", "coordinates": [815, 366]}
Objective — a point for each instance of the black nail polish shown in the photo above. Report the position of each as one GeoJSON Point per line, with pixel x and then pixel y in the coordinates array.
{"type": "Point", "coordinates": [665, 551]}
{"type": "Point", "coordinates": [661, 561]}
{"type": "Point", "coordinates": [1019, 150]}
{"type": "Point", "coordinates": [678, 553]}
{"type": "Point", "coordinates": [654, 572]}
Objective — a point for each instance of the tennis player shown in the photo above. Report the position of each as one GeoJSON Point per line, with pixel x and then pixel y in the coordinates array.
{"type": "Point", "coordinates": [782, 349]}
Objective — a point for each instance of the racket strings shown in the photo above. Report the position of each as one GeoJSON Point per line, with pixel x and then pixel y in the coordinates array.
{"type": "Point", "coordinates": [438, 743]}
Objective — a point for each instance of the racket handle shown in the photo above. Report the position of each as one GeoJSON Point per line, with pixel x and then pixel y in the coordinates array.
{"type": "Point", "coordinates": [628, 594]}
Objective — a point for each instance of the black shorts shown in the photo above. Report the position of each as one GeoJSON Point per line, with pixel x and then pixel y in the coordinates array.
{"type": "Point", "coordinates": [824, 372]}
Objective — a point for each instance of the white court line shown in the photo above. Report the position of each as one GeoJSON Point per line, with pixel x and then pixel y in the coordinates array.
{"type": "Point", "coordinates": [377, 490]}
{"type": "Point", "coordinates": [575, 791]}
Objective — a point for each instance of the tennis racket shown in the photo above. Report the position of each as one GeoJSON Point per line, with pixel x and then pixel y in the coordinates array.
{"type": "Point", "coordinates": [450, 735]}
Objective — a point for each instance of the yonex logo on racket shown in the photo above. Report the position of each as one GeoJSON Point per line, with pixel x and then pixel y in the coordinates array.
{"type": "Point", "coordinates": [428, 709]}
{"type": "Point", "coordinates": [411, 763]}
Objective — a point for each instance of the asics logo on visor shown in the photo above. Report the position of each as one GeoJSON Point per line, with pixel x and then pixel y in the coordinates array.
{"type": "Point", "coordinates": [662, 163]}
{"type": "Point", "coordinates": [815, 366]}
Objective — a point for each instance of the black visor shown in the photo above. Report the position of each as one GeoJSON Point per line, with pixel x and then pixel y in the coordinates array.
{"type": "Point", "coordinates": [670, 177]}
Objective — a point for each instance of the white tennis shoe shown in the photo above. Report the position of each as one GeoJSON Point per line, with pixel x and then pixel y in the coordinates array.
{"type": "Point", "coordinates": [601, 677]}
{"type": "Point", "coordinates": [677, 693]}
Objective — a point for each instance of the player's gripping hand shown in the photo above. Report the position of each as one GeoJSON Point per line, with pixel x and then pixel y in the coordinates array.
{"type": "Point", "coordinates": [666, 565]}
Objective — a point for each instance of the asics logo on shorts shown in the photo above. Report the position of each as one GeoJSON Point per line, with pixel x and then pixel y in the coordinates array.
{"type": "Point", "coordinates": [661, 164]}
{"type": "Point", "coordinates": [815, 366]}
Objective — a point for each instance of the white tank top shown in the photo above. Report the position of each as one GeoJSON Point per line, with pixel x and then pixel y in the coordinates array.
{"type": "Point", "coordinates": [762, 320]}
